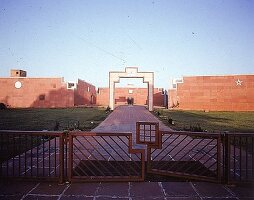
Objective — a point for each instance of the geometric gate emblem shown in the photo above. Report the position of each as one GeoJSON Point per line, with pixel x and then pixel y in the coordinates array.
{"type": "Point", "coordinates": [148, 133]}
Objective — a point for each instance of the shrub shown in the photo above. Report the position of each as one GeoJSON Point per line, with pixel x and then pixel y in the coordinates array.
{"type": "Point", "coordinates": [194, 128]}
{"type": "Point", "coordinates": [170, 120]}
{"type": "Point", "coordinates": [56, 127]}
{"type": "Point", "coordinates": [108, 109]}
{"type": "Point", "coordinates": [3, 106]}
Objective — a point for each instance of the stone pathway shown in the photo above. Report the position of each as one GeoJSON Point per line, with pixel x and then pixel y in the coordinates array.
{"type": "Point", "coordinates": [128, 190]}
{"type": "Point", "coordinates": [124, 119]}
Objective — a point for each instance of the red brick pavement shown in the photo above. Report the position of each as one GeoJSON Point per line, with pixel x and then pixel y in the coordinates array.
{"type": "Point", "coordinates": [124, 119]}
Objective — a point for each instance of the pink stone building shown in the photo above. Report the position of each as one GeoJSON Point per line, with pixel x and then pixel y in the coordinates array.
{"type": "Point", "coordinates": [19, 91]}
{"type": "Point", "coordinates": [214, 93]}
{"type": "Point", "coordinates": [139, 96]}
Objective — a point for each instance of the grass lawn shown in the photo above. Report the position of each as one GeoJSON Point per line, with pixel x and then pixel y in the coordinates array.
{"type": "Point", "coordinates": [51, 119]}
{"type": "Point", "coordinates": [210, 121]}
{"type": "Point", "coordinates": [43, 119]}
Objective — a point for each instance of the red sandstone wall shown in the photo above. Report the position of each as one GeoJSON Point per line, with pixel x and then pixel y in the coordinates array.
{"type": "Point", "coordinates": [172, 98]}
{"type": "Point", "coordinates": [158, 97]}
{"type": "Point", "coordinates": [85, 94]}
{"type": "Point", "coordinates": [121, 94]}
{"type": "Point", "coordinates": [102, 98]}
{"type": "Point", "coordinates": [36, 92]}
{"type": "Point", "coordinates": [215, 93]}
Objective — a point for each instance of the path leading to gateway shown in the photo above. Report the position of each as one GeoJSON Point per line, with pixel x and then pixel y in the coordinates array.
{"type": "Point", "coordinates": [124, 118]}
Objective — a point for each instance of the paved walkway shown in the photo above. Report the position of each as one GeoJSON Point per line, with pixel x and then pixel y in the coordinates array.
{"type": "Point", "coordinates": [130, 191]}
{"type": "Point", "coordinates": [124, 119]}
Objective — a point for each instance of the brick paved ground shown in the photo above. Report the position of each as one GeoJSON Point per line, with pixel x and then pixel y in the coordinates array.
{"type": "Point", "coordinates": [124, 119]}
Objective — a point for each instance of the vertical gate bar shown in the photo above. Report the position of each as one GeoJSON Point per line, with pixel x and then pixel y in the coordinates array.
{"type": "Point", "coordinates": [227, 157]}
{"type": "Point", "coordinates": [143, 164]}
{"type": "Point", "coordinates": [55, 155]}
{"type": "Point", "coordinates": [149, 160]}
{"type": "Point", "coordinates": [2, 141]}
{"type": "Point", "coordinates": [13, 155]}
{"type": "Point", "coordinates": [219, 158]}
{"type": "Point", "coordinates": [31, 155]}
{"type": "Point", "coordinates": [144, 133]}
{"type": "Point", "coordinates": [43, 154]}
{"type": "Point", "coordinates": [137, 133]}
{"type": "Point", "coordinates": [8, 150]}
{"type": "Point", "coordinates": [234, 157]}
{"type": "Point", "coordinates": [158, 135]}
{"type": "Point", "coordinates": [252, 157]}
{"type": "Point", "coordinates": [19, 147]}
{"type": "Point", "coordinates": [70, 163]}
{"type": "Point", "coordinates": [49, 155]}
{"type": "Point", "coordinates": [25, 151]}
{"type": "Point", "coordinates": [223, 155]}
{"type": "Point", "coordinates": [61, 158]}
{"type": "Point", "coordinates": [37, 155]}
{"type": "Point", "coordinates": [240, 160]}
{"type": "Point", "coordinates": [246, 152]}
{"type": "Point", "coordinates": [66, 157]}
{"type": "Point", "coordinates": [1, 148]}
{"type": "Point", "coordinates": [150, 133]}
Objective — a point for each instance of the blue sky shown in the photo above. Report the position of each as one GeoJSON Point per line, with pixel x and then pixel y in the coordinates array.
{"type": "Point", "coordinates": [87, 39]}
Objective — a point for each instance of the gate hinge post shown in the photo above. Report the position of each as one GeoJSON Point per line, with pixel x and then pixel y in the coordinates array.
{"type": "Point", "coordinates": [226, 151]}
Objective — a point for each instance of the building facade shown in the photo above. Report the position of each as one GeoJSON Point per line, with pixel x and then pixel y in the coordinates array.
{"type": "Point", "coordinates": [139, 96]}
{"type": "Point", "coordinates": [19, 91]}
{"type": "Point", "coordinates": [213, 93]}
{"type": "Point", "coordinates": [207, 93]}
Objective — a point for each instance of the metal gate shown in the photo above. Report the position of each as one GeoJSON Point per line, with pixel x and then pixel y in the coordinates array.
{"type": "Point", "coordinates": [88, 156]}
{"type": "Point", "coordinates": [104, 157]}
{"type": "Point", "coordinates": [214, 157]}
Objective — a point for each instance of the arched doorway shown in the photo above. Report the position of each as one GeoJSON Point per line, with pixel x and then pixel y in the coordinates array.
{"type": "Point", "coordinates": [131, 72]}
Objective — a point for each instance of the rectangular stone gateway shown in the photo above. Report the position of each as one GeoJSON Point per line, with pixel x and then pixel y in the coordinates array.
{"type": "Point", "coordinates": [131, 72]}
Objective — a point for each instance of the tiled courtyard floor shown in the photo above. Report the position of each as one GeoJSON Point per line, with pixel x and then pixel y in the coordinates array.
{"type": "Point", "coordinates": [124, 119]}
{"type": "Point", "coordinates": [128, 190]}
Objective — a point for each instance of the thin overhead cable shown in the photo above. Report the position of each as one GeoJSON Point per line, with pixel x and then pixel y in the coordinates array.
{"type": "Point", "coordinates": [101, 49]}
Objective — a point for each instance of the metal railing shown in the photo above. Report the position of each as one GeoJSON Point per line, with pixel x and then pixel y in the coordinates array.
{"type": "Point", "coordinates": [32, 154]}
{"type": "Point", "coordinates": [216, 157]}
{"type": "Point", "coordinates": [104, 157]}
{"type": "Point", "coordinates": [87, 156]}
{"type": "Point", "coordinates": [90, 156]}
{"type": "Point", "coordinates": [188, 155]}
{"type": "Point", "coordinates": [238, 157]}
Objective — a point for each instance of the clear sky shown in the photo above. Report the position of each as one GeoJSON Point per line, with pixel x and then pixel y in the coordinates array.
{"type": "Point", "coordinates": [87, 39]}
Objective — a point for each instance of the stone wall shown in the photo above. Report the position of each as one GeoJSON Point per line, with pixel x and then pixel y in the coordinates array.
{"type": "Point", "coordinates": [35, 92]}
{"type": "Point", "coordinates": [45, 93]}
{"type": "Point", "coordinates": [121, 94]}
{"type": "Point", "coordinates": [214, 93]}
{"type": "Point", "coordinates": [85, 94]}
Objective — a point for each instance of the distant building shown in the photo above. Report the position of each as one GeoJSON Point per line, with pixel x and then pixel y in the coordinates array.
{"type": "Point", "coordinates": [18, 73]}
{"type": "Point", "coordinates": [139, 96]}
{"type": "Point", "coordinates": [213, 93]}
{"type": "Point", "coordinates": [20, 91]}
{"type": "Point", "coordinates": [207, 93]}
